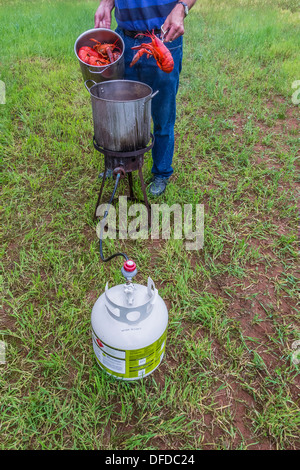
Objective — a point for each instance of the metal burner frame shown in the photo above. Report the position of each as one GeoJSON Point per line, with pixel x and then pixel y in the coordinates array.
{"type": "Point", "coordinates": [124, 163]}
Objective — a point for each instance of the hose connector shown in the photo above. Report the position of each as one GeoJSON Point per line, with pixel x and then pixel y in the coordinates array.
{"type": "Point", "coordinates": [129, 269]}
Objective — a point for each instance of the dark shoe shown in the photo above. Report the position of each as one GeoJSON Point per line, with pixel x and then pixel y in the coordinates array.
{"type": "Point", "coordinates": [158, 185]}
{"type": "Point", "coordinates": [109, 174]}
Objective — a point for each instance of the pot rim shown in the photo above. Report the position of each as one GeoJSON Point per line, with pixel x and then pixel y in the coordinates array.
{"type": "Point", "coordinates": [98, 67]}
{"type": "Point", "coordinates": [120, 101]}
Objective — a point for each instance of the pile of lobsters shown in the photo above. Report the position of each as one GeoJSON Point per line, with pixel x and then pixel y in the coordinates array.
{"type": "Point", "coordinates": [100, 54]}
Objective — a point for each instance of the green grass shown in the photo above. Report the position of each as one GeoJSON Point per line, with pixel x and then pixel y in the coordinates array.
{"type": "Point", "coordinates": [228, 380]}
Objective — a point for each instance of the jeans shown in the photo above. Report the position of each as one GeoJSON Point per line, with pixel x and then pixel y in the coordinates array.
{"type": "Point", "coordinates": [163, 107]}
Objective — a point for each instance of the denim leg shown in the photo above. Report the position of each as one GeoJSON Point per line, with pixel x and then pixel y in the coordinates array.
{"type": "Point", "coordinates": [163, 106]}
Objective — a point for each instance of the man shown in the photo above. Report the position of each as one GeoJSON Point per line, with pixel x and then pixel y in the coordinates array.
{"type": "Point", "coordinates": [162, 16]}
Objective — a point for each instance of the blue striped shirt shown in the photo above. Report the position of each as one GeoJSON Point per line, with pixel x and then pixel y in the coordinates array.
{"type": "Point", "coordinates": [142, 15]}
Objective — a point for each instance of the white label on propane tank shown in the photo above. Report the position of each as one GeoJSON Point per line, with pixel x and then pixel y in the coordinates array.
{"type": "Point", "coordinates": [116, 365]}
{"type": "Point", "coordinates": [112, 352]}
{"type": "Point", "coordinates": [142, 361]}
{"type": "Point", "coordinates": [141, 372]}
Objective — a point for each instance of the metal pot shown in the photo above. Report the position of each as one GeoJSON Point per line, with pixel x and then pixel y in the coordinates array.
{"type": "Point", "coordinates": [121, 114]}
{"type": "Point", "coordinates": [112, 71]}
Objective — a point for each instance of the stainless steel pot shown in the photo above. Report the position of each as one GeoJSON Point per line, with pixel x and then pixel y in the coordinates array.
{"type": "Point", "coordinates": [121, 114]}
{"type": "Point", "coordinates": [113, 71]}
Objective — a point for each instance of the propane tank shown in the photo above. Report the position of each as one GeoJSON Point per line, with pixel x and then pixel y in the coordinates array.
{"type": "Point", "coordinates": [129, 327]}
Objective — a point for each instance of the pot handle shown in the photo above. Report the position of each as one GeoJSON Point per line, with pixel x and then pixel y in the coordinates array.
{"type": "Point", "coordinates": [86, 86]}
{"type": "Point", "coordinates": [100, 71]}
{"type": "Point", "coordinates": [151, 96]}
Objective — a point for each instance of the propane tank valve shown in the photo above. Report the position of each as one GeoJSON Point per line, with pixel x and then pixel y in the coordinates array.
{"type": "Point", "coordinates": [129, 270]}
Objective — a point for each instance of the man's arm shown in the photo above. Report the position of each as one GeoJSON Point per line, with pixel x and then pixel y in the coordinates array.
{"type": "Point", "coordinates": [174, 21]}
{"type": "Point", "coordinates": [103, 14]}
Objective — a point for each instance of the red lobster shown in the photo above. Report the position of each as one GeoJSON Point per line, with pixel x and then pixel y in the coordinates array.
{"type": "Point", "coordinates": [157, 49]}
{"type": "Point", "coordinates": [85, 53]}
{"type": "Point", "coordinates": [100, 54]}
{"type": "Point", "coordinates": [110, 52]}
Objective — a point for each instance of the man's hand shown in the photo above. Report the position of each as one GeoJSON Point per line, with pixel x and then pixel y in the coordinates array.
{"type": "Point", "coordinates": [173, 24]}
{"type": "Point", "coordinates": [103, 14]}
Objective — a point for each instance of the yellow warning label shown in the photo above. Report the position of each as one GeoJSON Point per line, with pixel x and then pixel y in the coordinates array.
{"type": "Point", "coordinates": [129, 364]}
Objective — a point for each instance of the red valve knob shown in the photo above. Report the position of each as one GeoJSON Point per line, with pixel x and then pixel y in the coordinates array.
{"type": "Point", "coordinates": [129, 266]}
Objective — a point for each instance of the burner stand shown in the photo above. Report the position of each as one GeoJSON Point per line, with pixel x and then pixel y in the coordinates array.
{"type": "Point", "coordinates": [124, 163]}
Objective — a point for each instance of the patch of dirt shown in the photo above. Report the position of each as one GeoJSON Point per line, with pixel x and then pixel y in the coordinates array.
{"type": "Point", "coordinates": [6, 321]}
{"type": "Point", "coordinates": [289, 125]}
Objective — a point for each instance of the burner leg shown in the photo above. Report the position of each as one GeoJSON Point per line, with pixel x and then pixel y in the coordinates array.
{"type": "Point", "coordinates": [131, 186]}
{"type": "Point", "coordinates": [100, 193]}
{"type": "Point", "coordinates": [145, 195]}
